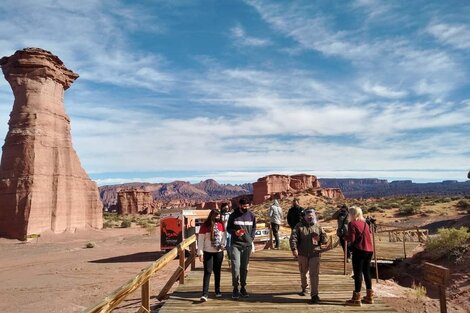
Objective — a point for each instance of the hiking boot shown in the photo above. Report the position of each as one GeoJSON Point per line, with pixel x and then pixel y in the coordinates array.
{"type": "Point", "coordinates": [244, 293]}
{"type": "Point", "coordinates": [355, 299]}
{"type": "Point", "coordinates": [204, 298]}
{"type": "Point", "coordinates": [369, 298]}
{"type": "Point", "coordinates": [315, 299]}
{"type": "Point", "coordinates": [303, 292]}
{"type": "Point", "coordinates": [235, 293]}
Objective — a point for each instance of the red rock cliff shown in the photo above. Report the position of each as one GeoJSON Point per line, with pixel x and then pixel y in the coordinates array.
{"type": "Point", "coordinates": [42, 183]}
{"type": "Point", "coordinates": [275, 186]}
{"type": "Point", "coordinates": [134, 201]}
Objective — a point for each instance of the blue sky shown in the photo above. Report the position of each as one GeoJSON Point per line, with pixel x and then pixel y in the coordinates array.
{"type": "Point", "coordinates": [235, 90]}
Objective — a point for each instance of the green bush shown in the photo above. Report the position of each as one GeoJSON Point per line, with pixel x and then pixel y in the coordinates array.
{"type": "Point", "coordinates": [90, 245]}
{"type": "Point", "coordinates": [463, 205]}
{"type": "Point", "coordinates": [409, 209]}
{"type": "Point", "coordinates": [108, 224]}
{"type": "Point", "coordinates": [448, 241]}
{"type": "Point", "coordinates": [113, 217]}
{"type": "Point", "coordinates": [126, 224]}
{"type": "Point", "coordinates": [150, 228]}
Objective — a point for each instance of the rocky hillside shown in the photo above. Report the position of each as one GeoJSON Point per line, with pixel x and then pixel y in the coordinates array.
{"type": "Point", "coordinates": [373, 188]}
{"type": "Point", "coordinates": [203, 191]}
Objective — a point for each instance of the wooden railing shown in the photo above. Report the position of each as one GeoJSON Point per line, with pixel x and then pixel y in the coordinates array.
{"type": "Point", "coordinates": [110, 302]}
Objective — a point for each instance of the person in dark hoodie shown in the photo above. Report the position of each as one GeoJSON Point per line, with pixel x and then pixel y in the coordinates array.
{"type": "Point", "coordinates": [242, 227]}
{"type": "Point", "coordinates": [295, 213]}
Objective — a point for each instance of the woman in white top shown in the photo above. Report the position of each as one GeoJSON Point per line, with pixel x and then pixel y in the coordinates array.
{"type": "Point", "coordinates": [211, 243]}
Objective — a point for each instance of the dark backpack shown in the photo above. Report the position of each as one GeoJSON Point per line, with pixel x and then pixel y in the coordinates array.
{"type": "Point", "coordinates": [342, 224]}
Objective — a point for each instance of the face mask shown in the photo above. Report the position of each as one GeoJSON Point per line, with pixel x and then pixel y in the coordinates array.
{"type": "Point", "coordinates": [310, 220]}
{"type": "Point", "coordinates": [244, 210]}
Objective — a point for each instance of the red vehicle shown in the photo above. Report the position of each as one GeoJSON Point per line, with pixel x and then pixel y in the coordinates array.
{"type": "Point", "coordinates": [179, 224]}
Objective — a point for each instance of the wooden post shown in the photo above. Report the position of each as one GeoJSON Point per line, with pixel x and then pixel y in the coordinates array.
{"type": "Point", "coordinates": [404, 244]}
{"type": "Point", "coordinates": [270, 236]}
{"type": "Point", "coordinates": [182, 259]}
{"type": "Point", "coordinates": [193, 255]}
{"type": "Point", "coordinates": [345, 260]}
{"type": "Point", "coordinates": [146, 296]}
{"type": "Point", "coordinates": [442, 299]}
{"type": "Point", "coordinates": [438, 276]}
{"type": "Point", "coordinates": [375, 258]}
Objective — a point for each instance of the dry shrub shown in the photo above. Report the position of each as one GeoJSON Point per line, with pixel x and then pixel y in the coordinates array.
{"type": "Point", "coordinates": [449, 241]}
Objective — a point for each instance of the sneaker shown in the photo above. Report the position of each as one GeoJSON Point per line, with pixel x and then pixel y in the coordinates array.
{"type": "Point", "coordinates": [218, 294]}
{"type": "Point", "coordinates": [235, 293]}
{"type": "Point", "coordinates": [203, 298]}
{"type": "Point", "coordinates": [303, 292]}
{"type": "Point", "coordinates": [244, 293]}
{"type": "Point", "coordinates": [315, 299]}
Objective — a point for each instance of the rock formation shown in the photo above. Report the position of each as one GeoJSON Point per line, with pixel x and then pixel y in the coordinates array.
{"type": "Point", "coordinates": [278, 186]}
{"type": "Point", "coordinates": [135, 201]}
{"type": "Point", "coordinates": [42, 184]}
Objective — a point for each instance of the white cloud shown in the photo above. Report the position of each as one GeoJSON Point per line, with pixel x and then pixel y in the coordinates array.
{"type": "Point", "coordinates": [384, 91]}
{"type": "Point", "coordinates": [242, 39]}
{"type": "Point", "coordinates": [394, 61]}
{"type": "Point", "coordinates": [456, 35]}
{"type": "Point", "coordinates": [90, 39]}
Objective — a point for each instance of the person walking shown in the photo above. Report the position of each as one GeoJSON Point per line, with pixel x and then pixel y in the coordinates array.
{"type": "Point", "coordinates": [341, 217]}
{"type": "Point", "coordinates": [276, 217]}
{"type": "Point", "coordinates": [305, 242]}
{"type": "Point", "coordinates": [295, 213]}
{"type": "Point", "coordinates": [225, 212]}
{"type": "Point", "coordinates": [361, 243]}
{"type": "Point", "coordinates": [211, 243]}
{"type": "Point", "coordinates": [242, 228]}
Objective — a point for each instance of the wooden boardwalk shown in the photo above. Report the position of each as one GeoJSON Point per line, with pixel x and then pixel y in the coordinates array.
{"type": "Point", "coordinates": [274, 284]}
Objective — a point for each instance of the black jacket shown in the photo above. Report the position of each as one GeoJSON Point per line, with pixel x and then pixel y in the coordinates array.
{"type": "Point", "coordinates": [294, 215]}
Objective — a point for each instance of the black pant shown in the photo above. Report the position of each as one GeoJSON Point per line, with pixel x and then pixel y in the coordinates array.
{"type": "Point", "coordinates": [361, 266]}
{"type": "Point", "coordinates": [342, 242]}
{"type": "Point", "coordinates": [275, 229]}
{"type": "Point", "coordinates": [212, 261]}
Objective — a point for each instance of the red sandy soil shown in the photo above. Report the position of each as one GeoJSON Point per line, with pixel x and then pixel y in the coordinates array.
{"type": "Point", "coordinates": [57, 273]}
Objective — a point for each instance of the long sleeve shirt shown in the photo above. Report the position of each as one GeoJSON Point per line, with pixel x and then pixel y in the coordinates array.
{"type": "Point", "coordinates": [355, 228]}
{"type": "Point", "coordinates": [245, 221]}
{"type": "Point", "coordinates": [275, 214]}
{"type": "Point", "coordinates": [204, 240]}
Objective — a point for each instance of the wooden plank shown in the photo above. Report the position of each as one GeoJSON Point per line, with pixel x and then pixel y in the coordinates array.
{"type": "Point", "coordinates": [146, 296]}
{"type": "Point", "coordinates": [273, 285]}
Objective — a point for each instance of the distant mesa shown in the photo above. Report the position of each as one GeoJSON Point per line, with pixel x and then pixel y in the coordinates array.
{"type": "Point", "coordinates": [43, 186]}
{"type": "Point", "coordinates": [279, 186]}
{"type": "Point", "coordinates": [135, 201]}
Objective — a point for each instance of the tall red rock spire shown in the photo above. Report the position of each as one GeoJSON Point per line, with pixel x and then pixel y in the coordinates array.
{"type": "Point", "coordinates": [42, 183]}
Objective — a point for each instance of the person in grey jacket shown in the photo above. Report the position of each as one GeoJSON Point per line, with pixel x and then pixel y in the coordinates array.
{"type": "Point", "coordinates": [276, 217]}
{"type": "Point", "coordinates": [305, 241]}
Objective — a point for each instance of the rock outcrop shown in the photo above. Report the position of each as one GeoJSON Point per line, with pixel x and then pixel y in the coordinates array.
{"type": "Point", "coordinates": [42, 184]}
{"type": "Point", "coordinates": [178, 193]}
{"type": "Point", "coordinates": [135, 201]}
{"type": "Point", "coordinates": [373, 188]}
{"type": "Point", "coordinates": [278, 186]}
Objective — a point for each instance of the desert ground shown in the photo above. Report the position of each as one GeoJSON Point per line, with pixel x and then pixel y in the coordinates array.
{"type": "Point", "coordinates": [58, 273]}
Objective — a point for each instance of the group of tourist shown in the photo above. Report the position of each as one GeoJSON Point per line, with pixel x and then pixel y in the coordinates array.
{"type": "Point", "coordinates": [235, 233]}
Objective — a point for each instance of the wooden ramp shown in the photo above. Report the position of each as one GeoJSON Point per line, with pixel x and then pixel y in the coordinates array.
{"type": "Point", "coordinates": [273, 285]}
